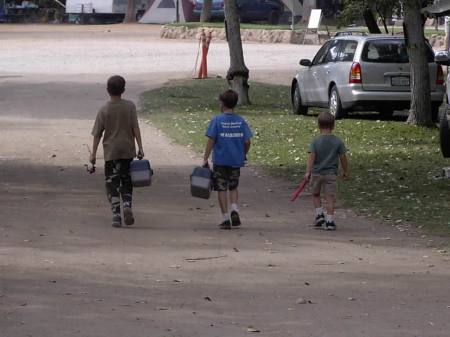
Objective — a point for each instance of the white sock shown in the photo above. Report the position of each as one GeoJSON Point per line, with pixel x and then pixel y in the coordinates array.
{"type": "Point", "coordinates": [234, 207]}
{"type": "Point", "coordinates": [225, 216]}
{"type": "Point", "coordinates": [319, 211]}
{"type": "Point", "coordinates": [328, 218]}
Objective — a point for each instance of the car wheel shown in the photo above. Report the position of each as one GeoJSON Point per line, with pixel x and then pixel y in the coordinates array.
{"type": "Point", "coordinates": [435, 112]}
{"type": "Point", "coordinates": [274, 18]}
{"type": "Point", "coordinates": [386, 113]}
{"type": "Point", "coordinates": [334, 104]}
{"type": "Point", "coordinates": [444, 135]}
{"type": "Point", "coordinates": [297, 104]}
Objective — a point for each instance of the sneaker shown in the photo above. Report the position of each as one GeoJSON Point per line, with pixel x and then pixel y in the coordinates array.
{"type": "Point", "coordinates": [330, 226]}
{"type": "Point", "coordinates": [128, 216]}
{"type": "Point", "coordinates": [235, 220]}
{"type": "Point", "coordinates": [116, 221]}
{"type": "Point", "coordinates": [225, 225]}
{"type": "Point", "coordinates": [320, 221]}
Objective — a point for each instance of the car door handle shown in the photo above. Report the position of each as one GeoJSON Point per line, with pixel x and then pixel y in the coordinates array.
{"type": "Point", "coordinates": [328, 71]}
{"type": "Point", "coordinates": [315, 74]}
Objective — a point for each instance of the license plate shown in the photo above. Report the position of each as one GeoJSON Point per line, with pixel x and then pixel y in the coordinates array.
{"type": "Point", "coordinates": [400, 81]}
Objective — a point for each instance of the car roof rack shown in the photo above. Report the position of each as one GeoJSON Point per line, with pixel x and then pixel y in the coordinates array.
{"type": "Point", "coordinates": [351, 32]}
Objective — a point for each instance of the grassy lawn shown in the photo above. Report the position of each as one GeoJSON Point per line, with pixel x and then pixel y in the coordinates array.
{"type": "Point", "coordinates": [392, 164]}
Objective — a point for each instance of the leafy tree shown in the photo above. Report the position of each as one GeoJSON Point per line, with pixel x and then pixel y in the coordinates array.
{"type": "Point", "coordinates": [370, 9]}
{"type": "Point", "coordinates": [238, 72]}
{"type": "Point", "coordinates": [205, 16]}
{"type": "Point", "coordinates": [420, 111]}
{"type": "Point", "coordinates": [130, 15]}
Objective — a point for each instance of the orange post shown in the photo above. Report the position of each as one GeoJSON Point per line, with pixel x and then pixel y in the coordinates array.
{"type": "Point", "coordinates": [205, 42]}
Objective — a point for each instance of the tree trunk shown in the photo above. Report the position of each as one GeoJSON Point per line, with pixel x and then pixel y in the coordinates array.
{"type": "Point", "coordinates": [238, 72]}
{"type": "Point", "coordinates": [130, 15]}
{"type": "Point", "coordinates": [420, 111]}
{"type": "Point", "coordinates": [371, 23]}
{"type": "Point", "coordinates": [206, 11]}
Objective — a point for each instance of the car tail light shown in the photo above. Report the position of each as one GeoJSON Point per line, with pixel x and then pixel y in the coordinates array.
{"type": "Point", "coordinates": [440, 75]}
{"type": "Point", "coordinates": [355, 73]}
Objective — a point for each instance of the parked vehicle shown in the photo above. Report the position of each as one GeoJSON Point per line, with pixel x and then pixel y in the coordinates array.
{"type": "Point", "coordinates": [249, 10]}
{"type": "Point", "coordinates": [357, 72]}
{"type": "Point", "coordinates": [217, 10]}
{"type": "Point", "coordinates": [100, 11]}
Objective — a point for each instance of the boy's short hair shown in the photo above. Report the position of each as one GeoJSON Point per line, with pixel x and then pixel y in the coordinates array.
{"type": "Point", "coordinates": [229, 98]}
{"type": "Point", "coordinates": [115, 85]}
{"type": "Point", "coordinates": [325, 120]}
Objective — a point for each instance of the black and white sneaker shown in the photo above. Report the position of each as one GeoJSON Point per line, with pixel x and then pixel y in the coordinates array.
{"type": "Point", "coordinates": [225, 225]}
{"type": "Point", "coordinates": [330, 226]}
{"type": "Point", "coordinates": [235, 220]}
{"type": "Point", "coordinates": [320, 221]}
{"type": "Point", "coordinates": [117, 221]}
{"type": "Point", "coordinates": [128, 216]}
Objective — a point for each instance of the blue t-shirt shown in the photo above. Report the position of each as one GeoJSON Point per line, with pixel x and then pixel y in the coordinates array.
{"type": "Point", "coordinates": [229, 131]}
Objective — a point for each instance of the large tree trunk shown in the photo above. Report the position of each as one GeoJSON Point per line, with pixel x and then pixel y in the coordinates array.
{"type": "Point", "coordinates": [130, 16]}
{"type": "Point", "coordinates": [238, 72]}
{"type": "Point", "coordinates": [371, 23]}
{"type": "Point", "coordinates": [420, 111]}
{"type": "Point", "coordinates": [206, 11]}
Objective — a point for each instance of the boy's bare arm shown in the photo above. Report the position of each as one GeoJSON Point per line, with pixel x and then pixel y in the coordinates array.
{"type": "Point", "coordinates": [209, 146]}
{"type": "Point", "coordinates": [344, 164]}
{"type": "Point", "coordinates": [309, 165]}
{"type": "Point", "coordinates": [95, 143]}
{"type": "Point", "coordinates": [137, 135]}
{"type": "Point", "coordinates": [248, 143]}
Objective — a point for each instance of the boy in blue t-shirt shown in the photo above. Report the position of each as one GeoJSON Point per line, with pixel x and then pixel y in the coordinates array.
{"type": "Point", "coordinates": [229, 140]}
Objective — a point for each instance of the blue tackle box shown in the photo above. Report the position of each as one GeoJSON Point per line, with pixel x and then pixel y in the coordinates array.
{"type": "Point", "coordinates": [201, 182]}
{"type": "Point", "coordinates": [141, 173]}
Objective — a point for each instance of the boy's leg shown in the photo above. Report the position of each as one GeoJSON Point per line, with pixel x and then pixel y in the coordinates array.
{"type": "Point", "coordinates": [330, 190]}
{"type": "Point", "coordinates": [223, 202]}
{"type": "Point", "coordinates": [234, 195]}
{"type": "Point", "coordinates": [126, 191]}
{"type": "Point", "coordinates": [317, 182]}
{"type": "Point", "coordinates": [112, 184]}
{"type": "Point", "coordinates": [220, 178]}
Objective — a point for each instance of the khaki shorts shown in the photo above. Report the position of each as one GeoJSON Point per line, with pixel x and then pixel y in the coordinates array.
{"type": "Point", "coordinates": [325, 182]}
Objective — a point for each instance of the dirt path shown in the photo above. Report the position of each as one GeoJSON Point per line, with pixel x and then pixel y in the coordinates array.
{"type": "Point", "coordinates": [64, 271]}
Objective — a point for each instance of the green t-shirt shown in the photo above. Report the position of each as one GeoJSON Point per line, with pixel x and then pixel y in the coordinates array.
{"type": "Point", "coordinates": [328, 149]}
{"type": "Point", "coordinates": [115, 121]}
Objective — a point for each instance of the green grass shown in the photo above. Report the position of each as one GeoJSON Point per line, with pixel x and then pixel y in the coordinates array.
{"type": "Point", "coordinates": [392, 164]}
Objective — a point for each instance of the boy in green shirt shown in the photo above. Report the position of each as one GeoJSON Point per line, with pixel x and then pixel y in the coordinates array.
{"type": "Point", "coordinates": [325, 153]}
{"type": "Point", "coordinates": [117, 123]}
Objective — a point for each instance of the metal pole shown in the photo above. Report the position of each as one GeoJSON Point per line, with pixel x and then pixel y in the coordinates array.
{"type": "Point", "coordinates": [178, 10]}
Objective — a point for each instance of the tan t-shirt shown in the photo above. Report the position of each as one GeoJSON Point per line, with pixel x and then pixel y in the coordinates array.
{"type": "Point", "coordinates": [117, 120]}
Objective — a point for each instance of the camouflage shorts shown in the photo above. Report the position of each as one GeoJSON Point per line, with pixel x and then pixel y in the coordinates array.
{"type": "Point", "coordinates": [324, 182]}
{"type": "Point", "coordinates": [225, 178]}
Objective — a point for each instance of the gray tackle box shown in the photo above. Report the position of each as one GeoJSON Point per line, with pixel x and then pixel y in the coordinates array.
{"type": "Point", "coordinates": [141, 173]}
{"type": "Point", "coordinates": [201, 182]}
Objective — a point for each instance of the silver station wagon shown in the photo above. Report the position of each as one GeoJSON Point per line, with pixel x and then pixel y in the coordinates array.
{"type": "Point", "coordinates": [361, 73]}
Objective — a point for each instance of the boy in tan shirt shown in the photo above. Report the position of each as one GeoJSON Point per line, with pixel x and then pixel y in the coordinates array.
{"type": "Point", "coordinates": [118, 124]}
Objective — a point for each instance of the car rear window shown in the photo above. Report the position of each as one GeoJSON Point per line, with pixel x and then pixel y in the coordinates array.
{"type": "Point", "coordinates": [388, 51]}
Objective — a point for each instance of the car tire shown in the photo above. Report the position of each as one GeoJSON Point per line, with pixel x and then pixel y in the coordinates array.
{"type": "Point", "coordinates": [444, 135]}
{"type": "Point", "coordinates": [435, 112]}
{"type": "Point", "coordinates": [334, 104]}
{"type": "Point", "coordinates": [274, 18]}
{"type": "Point", "coordinates": [297, 104]}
